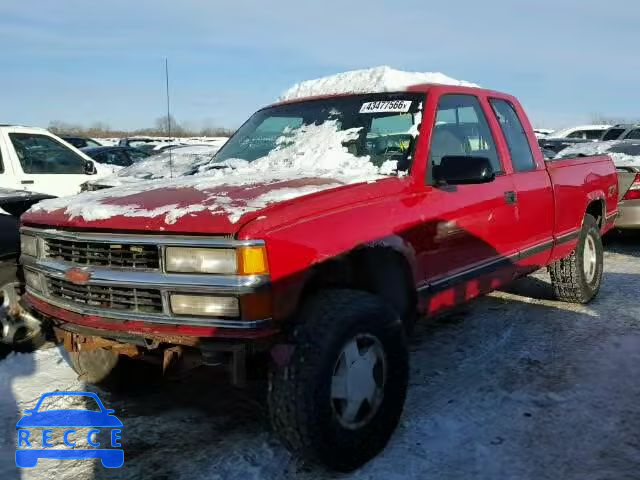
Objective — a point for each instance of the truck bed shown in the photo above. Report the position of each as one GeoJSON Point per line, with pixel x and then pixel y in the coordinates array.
{"type": "Point", "coordinates": [571, 179]}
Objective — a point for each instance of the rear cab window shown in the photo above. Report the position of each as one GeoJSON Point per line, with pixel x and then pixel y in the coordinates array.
{"type": "Point", "coordinates": [41, 154]}
{"type": "Point", "coordinates": [514, 134]}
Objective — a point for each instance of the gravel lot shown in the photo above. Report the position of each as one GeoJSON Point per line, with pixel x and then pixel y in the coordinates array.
{"type": "Point", "coordinates": [513, 385]}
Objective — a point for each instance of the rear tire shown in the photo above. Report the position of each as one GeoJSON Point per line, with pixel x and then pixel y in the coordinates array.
{"type": "Point", "coordinates": [578, 277]}
{"type": "Point", "coordinates": [339, 397]}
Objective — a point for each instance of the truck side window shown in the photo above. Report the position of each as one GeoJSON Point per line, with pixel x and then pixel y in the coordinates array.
{"type": "Point", "coordinates": [514, 134]}
{"type": "Point", "coordinates": [1, 163]}
{"type": "Point", "coordinates": [42, 154]}
{"type": "Point", "coordinates": [461, 128]}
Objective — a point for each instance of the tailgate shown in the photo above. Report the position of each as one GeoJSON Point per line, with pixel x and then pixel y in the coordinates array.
{"type": "Point", "coordinates": [626, 176]}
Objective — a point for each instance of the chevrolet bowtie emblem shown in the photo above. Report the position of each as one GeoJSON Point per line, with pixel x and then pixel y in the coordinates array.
{"type": "Point", "coordinates": [79, 276]}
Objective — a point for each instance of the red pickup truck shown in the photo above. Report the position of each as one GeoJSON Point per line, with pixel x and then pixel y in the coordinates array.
{"type": "Point", "coordinates": [311, 243]}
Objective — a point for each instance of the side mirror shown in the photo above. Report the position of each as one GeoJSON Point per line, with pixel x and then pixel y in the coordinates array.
{"type": "Point", "coordinates": [463, 170]}
{"type": "Point", "coordinates": [90, 168]}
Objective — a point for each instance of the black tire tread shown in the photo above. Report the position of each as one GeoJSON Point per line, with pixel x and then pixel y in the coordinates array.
{"type": "Point", "coordinates": [567, 278]}
{"type": "Point", "coordinates": [291, 404]}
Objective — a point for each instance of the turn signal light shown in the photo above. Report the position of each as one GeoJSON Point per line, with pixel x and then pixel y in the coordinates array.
{"type": "Point", "coordinates": [252, 260]}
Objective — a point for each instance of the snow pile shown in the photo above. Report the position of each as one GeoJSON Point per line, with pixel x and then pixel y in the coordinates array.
{"type": "Point", "coordinates": [312, 154]}
{"type": "Point", "coordinates": [623, 153]}
{"type": "Point", "coordinates": [378, 79]}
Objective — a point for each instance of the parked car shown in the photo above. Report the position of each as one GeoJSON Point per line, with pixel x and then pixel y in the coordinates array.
{"type": "Point", "coordinates": [556, 145]}
{"type": "Point", "coordinates": [626, 157]}
{"type": "Point", "coordinates": [581, 132]}
{"type": "Point", "coordinates": [116, 156]}
{"type": "Point", "coordinates": [80, 142]}
{"type": "Point", "coordinates": [309, 248]}
{"type": "Point", "coordinates": [35, 160]}
{"type": "Point", "coordinates": [561, 139]}
{"type": "Point", "coordinates": [622, 132]}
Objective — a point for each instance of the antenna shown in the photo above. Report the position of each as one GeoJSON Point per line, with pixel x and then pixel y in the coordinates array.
{"type": "Point", "coordinates": [166, 75]}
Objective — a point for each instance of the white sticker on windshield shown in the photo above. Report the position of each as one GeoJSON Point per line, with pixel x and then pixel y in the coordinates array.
{"type": "Point", "coordinates": [386, 106]}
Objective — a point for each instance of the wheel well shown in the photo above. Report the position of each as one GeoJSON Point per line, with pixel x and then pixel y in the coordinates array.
{"type": "Point", "coordinates": [382, 271]}
{"type": "Point", "coordinates": [596, 210]}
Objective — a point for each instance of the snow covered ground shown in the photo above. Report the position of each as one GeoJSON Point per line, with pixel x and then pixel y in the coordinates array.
{"type": "Point", "coordinates": [512, 386]}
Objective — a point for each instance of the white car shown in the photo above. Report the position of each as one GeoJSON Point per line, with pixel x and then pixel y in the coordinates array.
{"type": "Point", "coordinates": [584, 132]}
{"type": "Point", "coordinates": [35, 160]}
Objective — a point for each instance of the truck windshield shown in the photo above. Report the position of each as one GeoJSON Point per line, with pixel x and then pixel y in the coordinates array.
{"type": "Point", "coordinates": [379, 127]}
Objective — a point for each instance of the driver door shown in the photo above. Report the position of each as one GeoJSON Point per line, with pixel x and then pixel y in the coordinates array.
{"type": "Point", "coordinates": [469, 241]}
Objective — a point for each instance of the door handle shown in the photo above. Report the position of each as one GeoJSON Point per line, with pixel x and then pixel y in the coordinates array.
{"type": "Point", "coordinates": [27, 182]}
{"type": "Point", "coordinates": [510, 197]}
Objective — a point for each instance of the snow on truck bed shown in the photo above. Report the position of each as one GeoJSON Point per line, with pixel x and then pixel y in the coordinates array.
{"type": "Point", "coordinates": [378, 79]}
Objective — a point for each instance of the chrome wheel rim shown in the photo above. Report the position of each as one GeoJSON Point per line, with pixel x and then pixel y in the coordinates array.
{"type": "Point", "coordinates": [589, 259]}
{"type": "Point", "coordinates": [358, 381]}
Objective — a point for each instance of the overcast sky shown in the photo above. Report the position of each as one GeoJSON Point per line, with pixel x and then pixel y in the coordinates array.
{"type": "Point", "coordinates": [86, 61]}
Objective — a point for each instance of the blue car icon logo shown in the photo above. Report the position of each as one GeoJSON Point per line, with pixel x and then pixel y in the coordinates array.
{"type": "Point", "coordinates": [31, 447]}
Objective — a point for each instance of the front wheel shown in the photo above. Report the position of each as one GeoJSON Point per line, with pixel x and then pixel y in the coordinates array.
{"type": "Point", "coordinates": [339, 396]}
{"type": "Point", "coordinates": [577, 278]}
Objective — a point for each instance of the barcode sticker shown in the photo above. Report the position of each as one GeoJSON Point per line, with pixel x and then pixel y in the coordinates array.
{"type": "Point", "coordinates": [386, 106]}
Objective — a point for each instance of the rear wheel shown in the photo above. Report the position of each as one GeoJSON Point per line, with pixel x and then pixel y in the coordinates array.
{"type": "Point", "coordinates": [577, 278]}
{"type": "Point", "coordinates": [338, 398]}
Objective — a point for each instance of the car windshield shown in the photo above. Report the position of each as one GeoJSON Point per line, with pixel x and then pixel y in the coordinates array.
{"type": "Point", "coordinates": [378, 127]}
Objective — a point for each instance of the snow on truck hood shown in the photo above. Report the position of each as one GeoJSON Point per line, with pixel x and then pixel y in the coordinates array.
{"type": "Point", "coordinates": [370, 80]}
{"type": "Point", "coordinates": [316, 161]}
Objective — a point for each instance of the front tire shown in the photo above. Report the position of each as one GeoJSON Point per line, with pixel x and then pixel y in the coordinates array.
{"type": "Point", "coordinates": [578, 277]}
{"type": "Point", "coordinates": [339, 397]}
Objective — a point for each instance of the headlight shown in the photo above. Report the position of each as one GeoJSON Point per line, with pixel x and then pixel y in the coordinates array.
{"type": "Point", "coordinates": [204, 305]}
{"type": "Point", "coordinates": [33, 280]}
{"type": "Point", "coordinates": [29, 245]}
{"type": "Point", "coordinates": [250, 260]}
{"type": "Point", "coordinates": [201, 260]}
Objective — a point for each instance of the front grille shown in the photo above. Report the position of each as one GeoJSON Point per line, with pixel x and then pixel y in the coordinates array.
{"type": "Point", "coordinates": [141, 300]}
{"type": "Point", "coordinates": [139, 257]}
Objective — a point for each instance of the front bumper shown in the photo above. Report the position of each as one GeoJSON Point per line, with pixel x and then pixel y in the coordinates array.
{"type": "Point", "coordinates": [93, 304]}
{"type": "Point", "coordinates": [629, 214]}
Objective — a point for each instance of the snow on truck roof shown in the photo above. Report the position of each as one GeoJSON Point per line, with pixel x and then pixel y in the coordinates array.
{"type": "Point", "coordinates": [370, 80]}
